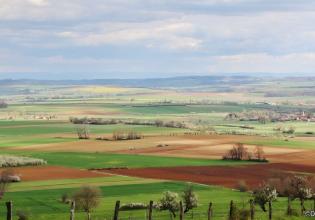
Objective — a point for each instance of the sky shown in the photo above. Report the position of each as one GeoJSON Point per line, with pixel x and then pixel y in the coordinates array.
{"type": "Point", "coordinates": [70, 39]}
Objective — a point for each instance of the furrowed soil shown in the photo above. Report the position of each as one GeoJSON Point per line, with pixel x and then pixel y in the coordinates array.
{"type": "Point", "coordinates": [227, 176]}
{"type": "Point", "coordinates": [53, 173]}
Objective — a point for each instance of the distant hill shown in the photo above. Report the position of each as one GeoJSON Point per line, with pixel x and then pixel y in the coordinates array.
{"type": "Point", "coordinates": [188, 81]}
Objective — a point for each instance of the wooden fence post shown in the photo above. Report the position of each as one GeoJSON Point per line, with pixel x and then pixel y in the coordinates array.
{"type": "Point", "coordinates": [231, 210]}
{"type": "Point", "coordinates": [72, 210]}
{"type": "Point", "coordinates": [181, 211]}
{"type": "Point", "coordinates": [9, 210]}
{"type": "Point", "coordinates": [210, 211]}
{"type": "Point", "coordinates": [270, 210]}
{"type": "Point", "coordinates": [116, 213]}
{"type": "Point", "coordinates": [150, 210]}
{"type": "Point", "coordinates": [252, 209]}
{"type": "Point", "coordinates": [289, 210]}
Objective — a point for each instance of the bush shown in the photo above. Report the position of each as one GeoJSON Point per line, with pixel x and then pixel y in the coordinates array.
{"type": "Point", "coordinates": [243, 214]}
{"type": "Point", "coordinates": [22, 215]}
{"type": "Point", "coordinates": [102, 121]}
{"type": "Point", "coordinates": [309, 133]}
{"type": "Point", "coordinates": [133, 206]}
{"type": "Point", "coordinates": [16, 161]}
{"type": "Point", "coordinates": [126, 135]}
{"type": "Point", "coordinates": [65, 198]}
{"type": "Point", "coordinates": [242, 186]}
{"type": "Point", "coordinates": [3, 104]}
{"type": "Point", "coordinates": [289, 130]}
{"type": "Point", "coordinates": [293, 212]}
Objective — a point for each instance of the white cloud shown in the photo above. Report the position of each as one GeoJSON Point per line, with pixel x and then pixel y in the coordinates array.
{"type": "Point", "coordinates": [164, 35]}
{"type": "Point", "coordinates": [38, 2]}
{"type": "Point", "coordinates": [170, 34]}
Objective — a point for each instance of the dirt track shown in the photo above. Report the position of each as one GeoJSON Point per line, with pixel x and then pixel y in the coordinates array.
{"type": "Point", "coordinates": [53, 173]}
{"type": "Point", "coordinates": [218, 175]}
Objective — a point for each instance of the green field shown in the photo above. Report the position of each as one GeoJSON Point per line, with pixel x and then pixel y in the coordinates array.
{"type": "Point", "coordinates": [27, 133]}
{"type": "Point", "coordinates": [102, 160]}
{"type": "Point", "coordinates": [202, 108]}
{"type": "Point", "coordinates": [45, 204]}
{"type": "Point", "coordinates": [284, 143]}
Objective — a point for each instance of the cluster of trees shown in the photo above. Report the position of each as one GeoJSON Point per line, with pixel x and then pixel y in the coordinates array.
{"type": "Point", "coordinates": [126, 135]}
{"type": "Point", "coordinates": [260, 116]}
{"type": "Point", "coordinates": [83, 132]}
{"type": "Point", "coordinates": [295, 187]}
{"type": "Point", "coordinates": [285, 130]}
{"type": "Point", "coordinates": [170, 201]}
{"type": "Point", "coordinates": [102, 121]}
{"type": "Point", "coordinates": [3, 104]}
{"type": "Point", "coordinates": [88, 198]}
{"type": "Point", "coordinates": [240, 152]}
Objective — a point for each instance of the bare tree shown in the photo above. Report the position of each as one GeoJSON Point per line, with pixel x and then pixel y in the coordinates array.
{"type": "Point", "coordinates": [87, 198]}
{"type": "Point", "coordinates": [5, 180]}
{"type": "Point", "coordinates": [259, 153]}
{"type": "Point", "coordinates": [83, 132]}
{"type": "Point", "coordinates": [312, 186]}
{"type": "Point", "coordinates": [238, 152]}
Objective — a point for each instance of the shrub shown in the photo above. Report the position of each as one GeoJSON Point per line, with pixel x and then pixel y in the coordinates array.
{"type": "Point", "coordinates": [65, 198]}
{"type": "Point", "coordinates": [126, 135]}
{"type": "Point", "coordinates": [242, 186]}
{"type": "Point", "coordinates": [3, 104]}
{"type": "Point", "coordinates": [133, 206]}
{"type": "Point", "coordinates": [102, 121]}
{"type": "Point", "coordinates": [289, 130]}
{"type": "Point", "coordinates": [22, 215]}
{"type": "Point", "coordinates": [243, 214]}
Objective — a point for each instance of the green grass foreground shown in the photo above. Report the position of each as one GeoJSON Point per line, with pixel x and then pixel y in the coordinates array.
{"type": "Point", "coordinates": [46, 205]}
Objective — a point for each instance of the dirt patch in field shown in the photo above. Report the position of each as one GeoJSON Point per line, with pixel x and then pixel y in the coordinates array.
{"type": "Point", "coordinates": [149, 141]}
{"type": "Point", "coordinates": [186, 146]}
{"type": "Point", "coordinates": [304, 158]}
{"type": "Point", "coordinates": [226, 176]}
{"type": "Point", "coordinates": [214, 151]}
{"type": "Point", "coordinates": [54, 173]}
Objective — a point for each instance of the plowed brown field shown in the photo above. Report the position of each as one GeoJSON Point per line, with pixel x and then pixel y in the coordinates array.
{"type": "Point", "coordinates": [53, 173]}
{"type": "Point", "coordinates": [218, 175]}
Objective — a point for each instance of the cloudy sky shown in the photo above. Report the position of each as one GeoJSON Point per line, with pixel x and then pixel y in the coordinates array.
{"type": "Point", "coordinates": [149, 38]}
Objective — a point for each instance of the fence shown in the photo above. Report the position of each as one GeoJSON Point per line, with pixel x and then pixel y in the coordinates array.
{"type": "Point", "coordinates": [149, 214]}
